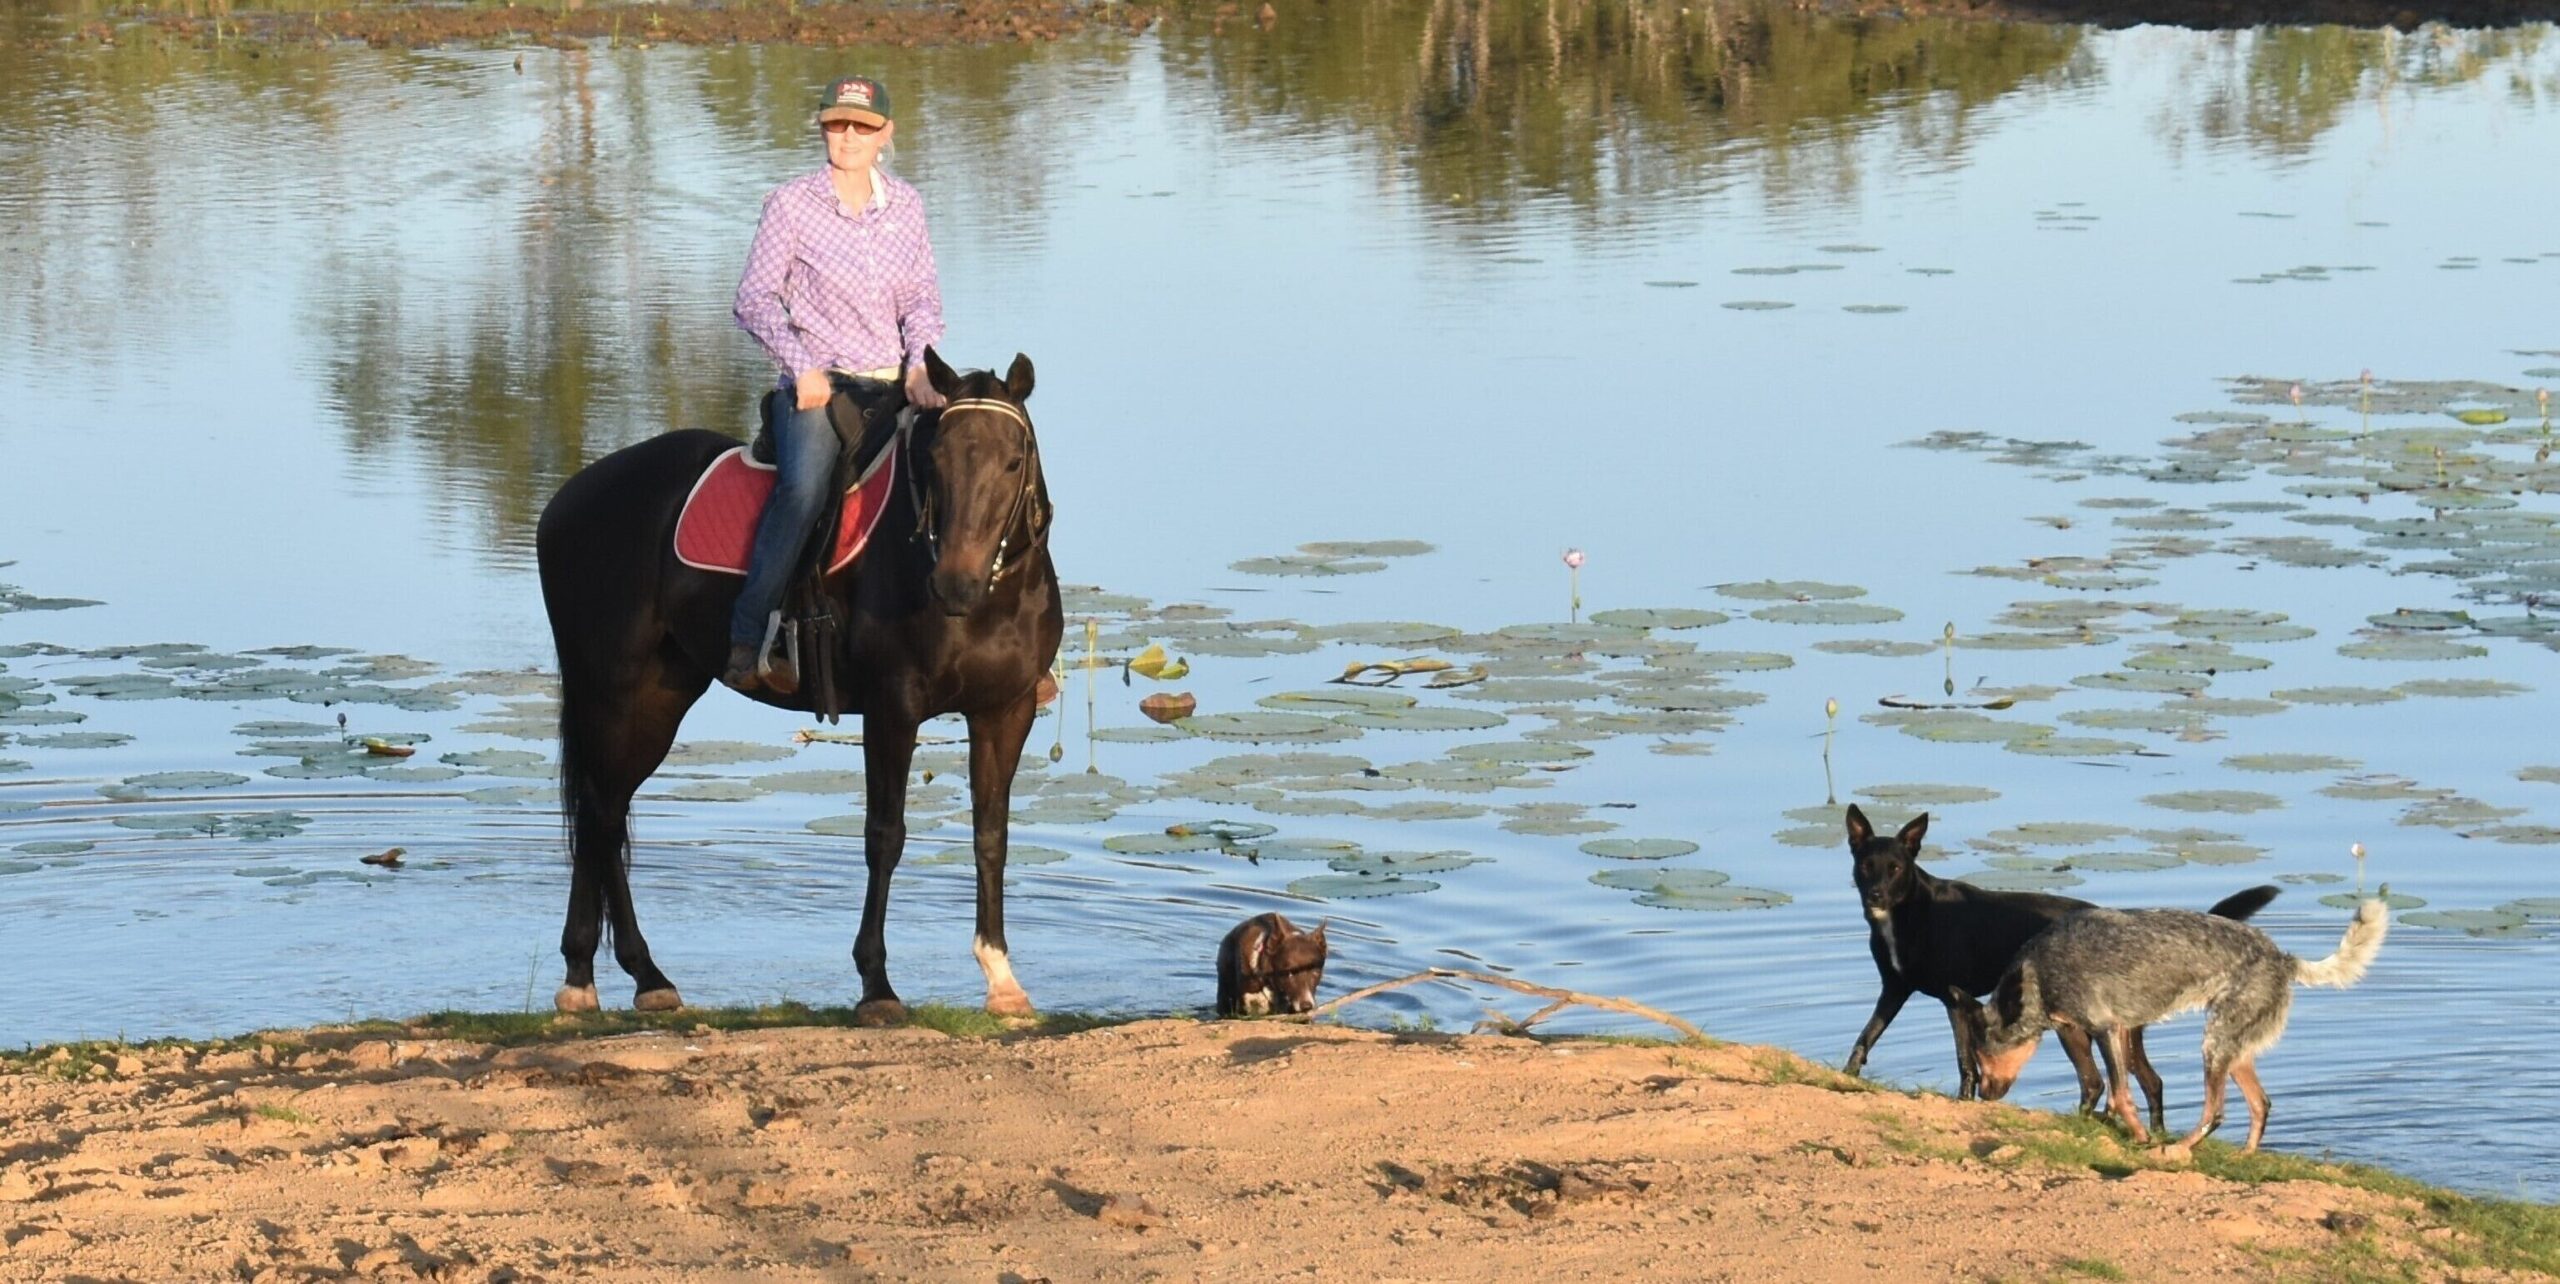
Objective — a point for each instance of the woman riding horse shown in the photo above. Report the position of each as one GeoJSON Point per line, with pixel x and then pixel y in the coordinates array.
{"type": "Point", "coordinates": [839, 282]}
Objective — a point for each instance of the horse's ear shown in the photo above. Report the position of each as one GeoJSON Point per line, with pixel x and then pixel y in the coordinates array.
{"type": "Point", "coordinates": [939, 373]}
{"type": "Point", "coordinates": [1017, 379]}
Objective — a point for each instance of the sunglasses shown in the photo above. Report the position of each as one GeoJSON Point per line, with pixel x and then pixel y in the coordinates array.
{"type": "Point", "coordinates": [864, 128]}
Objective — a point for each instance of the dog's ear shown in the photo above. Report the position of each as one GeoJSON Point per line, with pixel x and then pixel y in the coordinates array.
{"type": "Point", "coordinates": [2007, 999]}
{"type": "Point", "coordinates": [1957, 996]}
{"type": "Point", "coordinates": [1859, 830]}
{"type": "Point", "coordinates": [1317, 935]}
{"type": "Point", "coordinates": [1912, 833]}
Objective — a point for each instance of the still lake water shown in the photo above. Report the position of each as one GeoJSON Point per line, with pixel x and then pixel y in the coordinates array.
{"type": "Point", "coordinates": [295, 343]}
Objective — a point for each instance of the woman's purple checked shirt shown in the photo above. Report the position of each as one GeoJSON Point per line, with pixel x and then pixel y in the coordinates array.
{"type": "Point", "coordinates": [831, 288]}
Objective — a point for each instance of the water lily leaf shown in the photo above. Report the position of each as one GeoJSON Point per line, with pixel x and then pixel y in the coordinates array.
{"type": "Point", "coordinates": [1338, 699]}
{"type": "Point", "coordinates": [2228, 706]}
{"type": "Point", "coordinates": [1833, 613]}
{"type": "Point", "coordinates": [2480, 417]}
{"type": "Point", "coordinates": [2234, 801]}
{"type": "Point", "coordinates": [1384, 633]}
{"type": "Point", "coordinates": [1304, 564]}
{"type": "Point", "coordinates": [2337, 695]}
{"type": "Point", "coordinates": [1683, 881]}
{"type": "Point", "coordinates": [419, 774]}
{"type": "Point", "coordinates": [1393, 864]}
{"type": "Point", "coordinates": [706, 791]}
{"type": "Point", "coordinates": [2195, 657]}
{"type": "Point", "coordinates": [2289, 762]}
{"type": "Point", "coordinates": [186, 780]}
{"type": "Point", "coordinates": [2395, 901]}
{"type": "Point", "coordinates": [1639, 848]}
{"type": "Point", "coordinates": [833, 783]}
{"type": "Point", "coordinates": [706, 753]}
{"type": "Point", "coordinates": [1312, 807]}
{"type": "Point", "coordinates": [1268, 727]}
{"type": "Point", "coordinates": [2167, 719]}
{"type": "Point", "coordinates": [1955, 726]}
{"type": "Point", "coordinates": [1789, 591]}
{"type": "Point", "coordinates": [1523, 751]}
{"type": "Point", "coordinates": [2400, 646]}
{"type": "Point", "coordinates": [2519, 835]}
{"type": "Point", "coordinates": [1879, 647]}
{"type": "Point", "coordinates": [511, 795]}
{"type": "Point", "coordinates": [1425, 809]}
{"type": "Point", "coordinates": [1927, 795]}
{"type": "Point", "coordinates": [2482, 923]}
{"type": "Point", "coordinates": [2156, 683]}
{"type": "Point", "coordinates": [2123, 862]}
{"type": "Point", "coordinates": [55, 847]}
{"type": "Point", "coordinates": [2529, 906]}
{"type": "Point", "coordinates": [2021, 880]}
{"type": "Point", "coordinates": [2058, 833]}
{"type": "Point", "coordinates": [1367, 548]}
{"type": "Point", "coordinates": [171, 822]}
{"type": "Point", "coordinates": [1139, 735]}
{"type": "Point", "coordinates": [1151, 663]}
{"type": "Point", "coordinates": [1323, 849]}
{"type": "Point", "coordinates": [1431, 718]}
{"type": "Point", "coordinates": [1356, 886]}
{"type": "Point", "coordinates": [1456, 776]}
{"type": "Point", "coordinates": [2461, 688]}
{"type": "Point", "coordinates": [1166, 844]}
{"type": "Point", "coordinates": [1670, 617]}
{"type": "Point", "coordinates": [1535, 690]}
{"type": "Point", "coordinates": [2073, 746]}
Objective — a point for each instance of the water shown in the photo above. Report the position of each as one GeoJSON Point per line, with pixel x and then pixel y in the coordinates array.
{"type": "Point", "coordinates": [297, 342]}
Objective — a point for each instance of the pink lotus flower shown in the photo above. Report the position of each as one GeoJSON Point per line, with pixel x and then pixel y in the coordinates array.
{"type": "Point", "coordinates": [1573, 558]}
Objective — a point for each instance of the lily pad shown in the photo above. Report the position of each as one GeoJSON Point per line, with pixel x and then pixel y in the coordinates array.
{"type": "Point", "coordinates": [2336, 695]}
{"type": "Point", "coordinates": [2073, 746]}
{"type": "Point", "coordinates": [186, 780]}
{"type": "Point", "coordinates": [1269, 727]}
{"type": "Point", "coordinates": [1520, 751]}
{"type": "Point", "coordinates": [1162, 844]}
{"type": "Point", "coordinates": [710, 791]}
{"type": "Point", "coordinates": [1639, 848]}
{"type": "Point", "coordinates": [1337, 699]}
{"type": "Point", "coordinates": [1357, 886]}
{"type": "Point", "coordinates": [1690, 881]}
{"type": "Point", "coordinates": [706, 753]}
{"type": "Point", "coordinates": [1139, 734]}
{"type": "Point", "coordinates": [2229, 801]}
{"type": "Point", "coordinates": [1927, 795]}
{"type": "Point", "coordinates": [2123, 862]}
{"type": "Point", "coordinates": [1789, 591]}
{"type": "Point", "coordinates": [1827, 613]}
{"type": "Point", "coordinates": [2058, 833]}
{"type": "Point", "coordinates": [2289, 762]}
{"type": "Point", "coordinates": [1879, 647]}
{"type": "Point", "coordinates": [2415, 647]}
{"type": "Point", "coordinates": [1397, 864]}
{"type": "Point", "coordinates": [2395, 901]}
{"type": "Point", "coordinates": [1304, 564]}
{"type": "Point", "coordinates": [1367, 548]}
{"type": "Point", "coordinates": [2461, 688]}
{"type": "Point", "coordinates": [1428, 718]}
{"type": "Point", "coordinates": [77, 740]}
{"type": "Point", "coordinates": [2021, 880]}
{"type": "Point", "coordinates": [2482, 922]}
{"type": "Point", "coordinates": [54, 847]}
{"type": "Point", "coordinates": [1659, 618]}
{"type": "Point", "coordinates": [835, 783]}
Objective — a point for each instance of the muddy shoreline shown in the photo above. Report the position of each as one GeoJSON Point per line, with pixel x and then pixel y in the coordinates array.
{"type": "Point", "coordinates": [981, 22]}
{"type": "Point", "coordinates": [1161, 1148]}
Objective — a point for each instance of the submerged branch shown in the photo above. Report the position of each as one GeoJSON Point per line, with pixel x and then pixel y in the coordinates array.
{"type": "Point", "coordinates": [1562, 1000]}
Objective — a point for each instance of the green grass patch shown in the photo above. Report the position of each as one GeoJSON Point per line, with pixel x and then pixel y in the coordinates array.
{"type": "Point", "coordinates": [2096, 1268]}
{"type": "Point", "coordinates": [283, 1114]}
{"type": "Point", "coordinates": [1782, 1066]}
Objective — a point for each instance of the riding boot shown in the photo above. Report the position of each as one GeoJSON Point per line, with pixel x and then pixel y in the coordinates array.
{"type": "Point", "coordinates": [740, 675]}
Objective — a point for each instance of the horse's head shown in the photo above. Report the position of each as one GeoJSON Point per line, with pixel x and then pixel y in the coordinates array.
{"type": "Point", "coordinates": [984, 506]}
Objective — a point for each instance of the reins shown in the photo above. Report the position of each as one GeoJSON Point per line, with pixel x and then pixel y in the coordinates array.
{"type": "Point", "coordinates": [1037, 523]}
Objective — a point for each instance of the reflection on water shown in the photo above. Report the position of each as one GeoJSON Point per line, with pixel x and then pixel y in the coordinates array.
{"type": "Point", "coordinates": [1459, 272]}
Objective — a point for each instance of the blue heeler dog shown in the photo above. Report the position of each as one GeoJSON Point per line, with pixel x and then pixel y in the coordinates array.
{"type": "Point", "coordinates": [1936, 936]}
{"type": "Point", "coordinates": [2108, 971]}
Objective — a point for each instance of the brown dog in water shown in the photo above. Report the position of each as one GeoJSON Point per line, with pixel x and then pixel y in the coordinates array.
{"type": "Point", "coordinates": [1267, 966]}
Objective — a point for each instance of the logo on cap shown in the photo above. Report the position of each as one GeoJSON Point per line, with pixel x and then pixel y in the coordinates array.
{"type": "Point", "coordinates": [853, 93]}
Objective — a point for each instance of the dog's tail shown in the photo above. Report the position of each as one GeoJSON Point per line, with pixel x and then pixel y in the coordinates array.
{"type": "Point", "coordinates": [2355, 952]}
{"type": "Point", "coordinates": [2239, 907]}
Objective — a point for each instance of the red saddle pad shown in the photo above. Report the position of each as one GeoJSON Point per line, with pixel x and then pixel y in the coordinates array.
{"type": "Point", "coordinates": [718, 527]}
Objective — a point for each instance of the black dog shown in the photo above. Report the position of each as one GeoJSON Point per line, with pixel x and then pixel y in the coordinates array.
{"type": "Point", "coordinates": [1939, 937]}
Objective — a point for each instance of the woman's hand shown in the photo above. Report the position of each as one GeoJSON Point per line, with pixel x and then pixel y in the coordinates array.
{"type": "Point", "coordinates": [920, 390]}
{"type": "Point", "coordinates": [812, 389]}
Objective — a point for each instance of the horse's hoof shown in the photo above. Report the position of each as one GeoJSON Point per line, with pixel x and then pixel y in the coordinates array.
{"type": "Point", "coordinates": [666, 1000]}
{"type": "Point", "coordinates": [576, 998]}
{"type": "Point", "coordinates": [1010, 1003]}
{"type": "Point", "coordinates": [877, 1013]}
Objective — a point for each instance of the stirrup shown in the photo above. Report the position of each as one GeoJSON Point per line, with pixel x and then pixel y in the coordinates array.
{"type": "Point", "coordinates": [780, 675]}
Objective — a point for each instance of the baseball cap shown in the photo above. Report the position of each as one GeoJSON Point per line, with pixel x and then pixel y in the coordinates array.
{"type": "Point", "coordinates": [855, 98]}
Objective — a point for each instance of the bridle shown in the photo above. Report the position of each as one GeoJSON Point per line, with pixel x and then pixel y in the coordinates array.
{"type": "Point", "coordinates": [1028, 497]}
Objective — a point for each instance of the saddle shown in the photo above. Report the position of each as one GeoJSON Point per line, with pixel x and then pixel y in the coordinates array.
{"type": "Point", "coordinates": [716, 531]}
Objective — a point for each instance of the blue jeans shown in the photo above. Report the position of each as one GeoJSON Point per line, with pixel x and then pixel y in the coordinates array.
{"type": "Point", "coordinates": [804, 455]}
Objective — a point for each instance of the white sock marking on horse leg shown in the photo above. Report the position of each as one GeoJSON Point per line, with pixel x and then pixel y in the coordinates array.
{"type": "Point", "coordinates": [998, 968]}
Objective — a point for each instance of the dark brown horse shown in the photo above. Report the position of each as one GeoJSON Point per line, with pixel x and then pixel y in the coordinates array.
{"type": "Point", "coordinates": [953, 609]}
